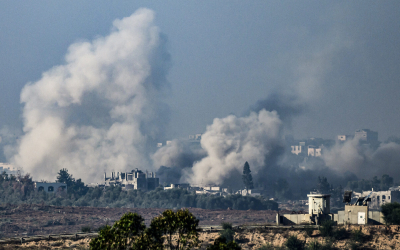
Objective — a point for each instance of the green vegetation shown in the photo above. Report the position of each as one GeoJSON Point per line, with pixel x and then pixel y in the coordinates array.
{"type": "Point", "coordinates": [22, 191]}
{"type": "Point", "coordinates": [326, 229]}
{"type": "Point", "coordinates": [227, 232]}
{"type": "Point", "coordinates": [247, 178]}
{"type": "Point", "coordinates": [130, 232]}
{"type": "Point", "coordinates": [391, 213]}
{"type": "Point", "coordinates": [309, 230]}
{"type": "Point", "coordinates": [293, 243]}
{"type": "Point", "coordinates": [225, 241]}
{"type": "Point", "coordinates": [358, 236]}
{"type": "Point", "coordinates": [222, 244]}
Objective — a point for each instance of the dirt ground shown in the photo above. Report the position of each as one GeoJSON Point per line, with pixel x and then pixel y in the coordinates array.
{"type": "Point", "coordinates": [26, 220]}
{"type": "Point", "coordinates": [375, 237]}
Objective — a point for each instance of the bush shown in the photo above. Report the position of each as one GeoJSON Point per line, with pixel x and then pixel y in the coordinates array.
{"type": "Point", "coordinates": [221, 244]}
{"type": "Point", "coordinates": [340, 233]}
{"type": "Point", "coordinates": [326, 229]}
{"type": "Point", "coordinates": [391, 213]}
{"type": "Point", "coordinates": [354, 245]}
{"type": "Point", "coordinates": [86, 229]}
{"type": "Point", "coordinates": [309, 230]}
{"type": "Point", "coordinates": [313, 245]}
{"type": "Point", "coordinates": [266, 247]}
{"type": "Point", "coordinates": [358, 236]}
{"type": "Point", "coordinates": [227, 232]}
{"type": "Point", "coordinates": [293, 243]}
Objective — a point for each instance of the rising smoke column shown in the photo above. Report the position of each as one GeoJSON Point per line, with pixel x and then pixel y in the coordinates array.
{"type": "Point", "coordinates": [231, 141]}
{"type": "Point", "coordinates": [363, 160]}
{"type": "Point", "coordinates": [99, 111]}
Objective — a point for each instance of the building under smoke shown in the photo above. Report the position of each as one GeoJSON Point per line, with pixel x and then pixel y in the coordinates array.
{"type": "Point", "coordinates": [136, 179]}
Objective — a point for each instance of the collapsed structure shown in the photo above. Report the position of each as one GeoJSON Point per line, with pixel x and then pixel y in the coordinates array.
{"type": "Point", "coordinates": [136, 179]}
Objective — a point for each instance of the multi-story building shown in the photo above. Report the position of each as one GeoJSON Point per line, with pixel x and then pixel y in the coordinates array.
{"type": "Point", "coordinates": [135, 179]}
{"type": "Point", "coordinates": [314, 151]}
{"type": "Point", "coordinates": [379, 198]}
{"type": "Point", "coordinates": [366, 135]}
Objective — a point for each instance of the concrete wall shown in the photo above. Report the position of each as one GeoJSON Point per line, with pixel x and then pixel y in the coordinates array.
{"type": "Point", "coordinates": [350, 215]}
{"type": "Point", "coordinates": [50, 187]}
{"type": "Point", "coordinates": [293, 219]}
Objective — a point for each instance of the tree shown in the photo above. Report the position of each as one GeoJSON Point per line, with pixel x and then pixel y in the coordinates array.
{"type": "Point", "coordinates": [130, 232]}
{"type": "Point", "coordinates": [65, 177]}
{"type": "Point", "coordinates": [77, 187]}
{"type": "Point", "coordinates": [126, 233]}
{"type": "Point", "coordinates": [391, 213]}
{"type": "Point", "coordinates": [182, 223]}
{"type": "Point", "coordinates": [323, 185]}
{"type": "Point", "coordinates": [247, 178]}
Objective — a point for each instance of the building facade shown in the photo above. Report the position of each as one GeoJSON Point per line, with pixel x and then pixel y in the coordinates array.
{"type": "Point", "coordinates": [50, 187]}
{"type": "Point", "coordinates": [136, 179]}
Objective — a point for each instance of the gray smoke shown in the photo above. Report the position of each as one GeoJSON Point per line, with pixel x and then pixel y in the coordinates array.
{"type": "Point", "coordinates": [363, 160]}
{"type": "Point", "coordinates": [175, 158]}
{"type": "Point", "coordinates": [101, 110]}
{"type": "Point", "coordinates": [231, 141]}
{"type": "Point", "coordinates": [287, 106]}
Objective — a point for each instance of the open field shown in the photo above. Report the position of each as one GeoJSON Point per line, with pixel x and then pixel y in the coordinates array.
{"type": "Point", "coordinates": [25, 220]}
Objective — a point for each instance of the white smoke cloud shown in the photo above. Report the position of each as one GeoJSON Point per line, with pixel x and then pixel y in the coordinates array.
{"type": "Point", "coordinates": [114, 81]}
{"type": "Point", "coordinates": [231, 141]}
{"type": "Point", "coordinates": [362, 160]}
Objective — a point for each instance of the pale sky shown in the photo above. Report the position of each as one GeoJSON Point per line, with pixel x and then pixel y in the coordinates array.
{"type": "Point", "coordinates": [341, 59]}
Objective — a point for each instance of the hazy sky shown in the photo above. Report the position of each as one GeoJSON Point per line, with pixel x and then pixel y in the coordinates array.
{"type": "Point", "coordinates": [339, 58]}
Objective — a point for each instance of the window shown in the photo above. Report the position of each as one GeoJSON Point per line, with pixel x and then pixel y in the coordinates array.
{"type": "Point", "coordinates": [40, 188]}
{"type": "Point", "coordinates": [383, 197]}
{"type": "Point", "coordinates": [50, 189]}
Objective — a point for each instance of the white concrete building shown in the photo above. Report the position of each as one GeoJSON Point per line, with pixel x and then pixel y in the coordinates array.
{"type": "Point", "coordinates": [50, 187]}
{"type": "Point", "coordinates": [314, 151]}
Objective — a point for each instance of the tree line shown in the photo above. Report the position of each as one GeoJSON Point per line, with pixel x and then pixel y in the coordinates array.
{"type": "Point", "coordinates": [21, 190]}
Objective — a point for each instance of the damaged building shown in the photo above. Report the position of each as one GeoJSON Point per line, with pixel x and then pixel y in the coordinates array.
{"type": "Point", "coordinates": [136, 179]}
{"type": "Point", "coordinates": [319, 211]}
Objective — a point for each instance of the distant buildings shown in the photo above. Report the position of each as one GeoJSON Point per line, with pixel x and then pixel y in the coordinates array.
{"type": "Point", "coordinates": [366, 135]}
{"type": "Point", "coordinates": [136, 179]}
{"type": "Point", "coordinates": [50, 187]}
{"type": "Point", "coordinates": [379, 198]}
{"type": "Point", "coordinates": [8, 169]}
{"type": "Point", "coordinates": [313, 147]}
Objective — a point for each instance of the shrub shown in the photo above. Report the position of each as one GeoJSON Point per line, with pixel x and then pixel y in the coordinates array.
{"type": "Point", "coordinates": [293, 243]}
{"type": "Point", "coordinates": [391, 213]}
{"type": "Point", "coordinates": [227, 232]}
{"type": "Point", "coordinates": [339, 233]}
{"type": "Point", "coordinates": [309, 230]}
{"type": "Point", "coordinates": [266, 247]}
{"type": "Point", "coordinates": [86, 229]}
{"type": "Point", "coordinates": [358, 236]}
{"type": "Point", "coordinates": [221, 244]}
{"type": "Point", "coordinates": [313, 245]}
{"type": "Point", "coordinates": [326, 229]}
{"type": "Point", "coordinates": [354, 245]}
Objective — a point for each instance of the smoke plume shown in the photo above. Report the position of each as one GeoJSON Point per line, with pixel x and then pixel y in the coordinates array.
{"type": "Point", "coordinates": [101, 110]}
{"type": "Point", "coordinates": [231, 141]}
{"type": "Point", "coordinates": [363, 160]}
